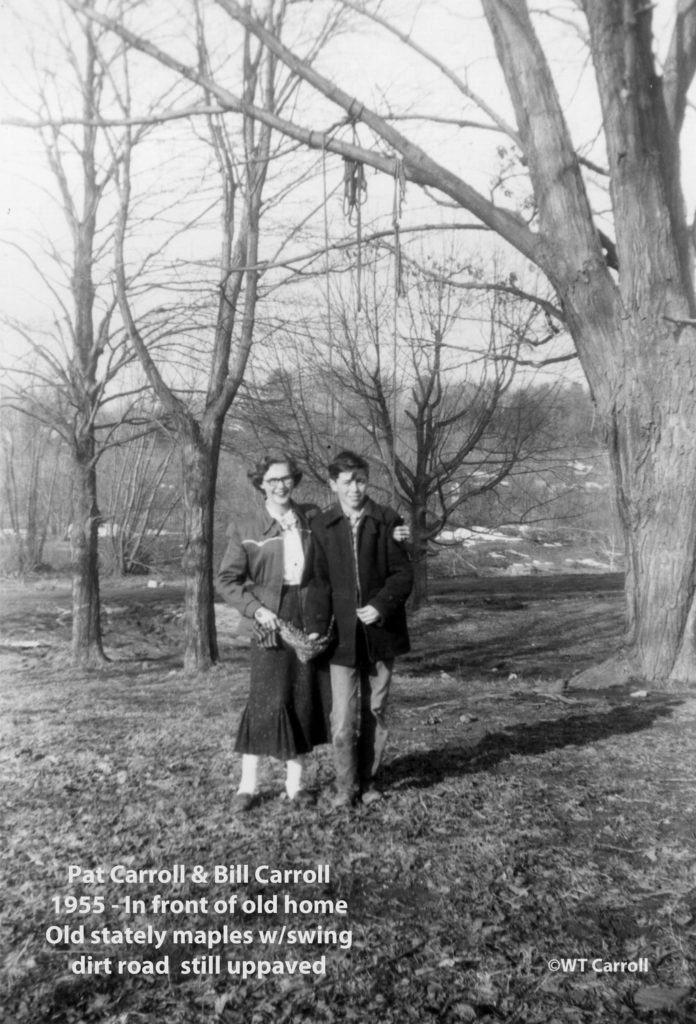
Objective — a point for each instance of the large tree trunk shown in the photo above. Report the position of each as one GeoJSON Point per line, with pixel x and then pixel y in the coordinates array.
{"type": "Point", "coordinates": [84, 544]}
{"type": "Point", "coordinates": [641, 366]}
{"type": "Point", "coordinates": [654, 457]}
{"type": "Point", "coordinates": [651, 362]}
{"type": "Point", "coordinates": [633, 329]}
{"type": "Point", "coordinates": [648, 401]}
{"type": "Point", "coordinates": [200, 458]}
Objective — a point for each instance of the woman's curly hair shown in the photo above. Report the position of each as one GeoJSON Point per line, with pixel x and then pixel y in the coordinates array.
{"type": "Point", "coordinates": [261, 466]}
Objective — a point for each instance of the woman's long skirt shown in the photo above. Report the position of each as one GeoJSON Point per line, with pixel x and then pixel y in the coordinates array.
{"type": "Point", "coordinates": [289, 704]}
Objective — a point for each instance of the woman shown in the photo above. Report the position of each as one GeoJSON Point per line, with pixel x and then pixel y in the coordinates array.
{"type": "Point", "coordinates": [263, 574]}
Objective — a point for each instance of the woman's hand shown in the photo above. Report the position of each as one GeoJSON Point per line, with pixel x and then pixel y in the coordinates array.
{"type": "Point", "coordinates": [266, 619]}
{"type": "Point", "coordinates": [402, 532]}
{"type": "Point", "coordinates": [368, 615]}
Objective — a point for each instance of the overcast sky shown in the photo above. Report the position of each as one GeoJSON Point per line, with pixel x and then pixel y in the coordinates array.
{"type": "Point", "coordinates": [376, 67]}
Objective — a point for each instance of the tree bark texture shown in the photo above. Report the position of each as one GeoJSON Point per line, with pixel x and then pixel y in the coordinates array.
{"type": "Point", "coordinates": [200, 476]}
{"type": "Point", "coordinates": [84, 386]}
{"type": "Point", "coordinates": [87, 647]}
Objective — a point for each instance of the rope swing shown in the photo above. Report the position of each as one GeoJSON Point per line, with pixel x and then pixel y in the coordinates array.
{"type": "Point", "coordinates": [397, 210]}
{"type": "Point", "coordinates": [354, 198]}
{"type": "Point", "coordinates": [329, 325]}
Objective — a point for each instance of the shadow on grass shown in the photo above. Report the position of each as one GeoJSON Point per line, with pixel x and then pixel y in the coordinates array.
{"type": "Point", "coordinates": [424, 768]}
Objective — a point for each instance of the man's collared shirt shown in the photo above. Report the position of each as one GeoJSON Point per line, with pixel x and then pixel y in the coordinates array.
{"type": "Point", "coordinates": [355, 520]}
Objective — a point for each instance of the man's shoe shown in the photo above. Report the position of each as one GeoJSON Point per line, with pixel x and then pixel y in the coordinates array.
{"type": "Point", "coordinates": [342, 800]}
{"type": "Point", "coordinates": [243, 802]}
{"type": "Point", "coordinates": [370, 796]}
{"type": "Point", "coordinates": [303, 799]}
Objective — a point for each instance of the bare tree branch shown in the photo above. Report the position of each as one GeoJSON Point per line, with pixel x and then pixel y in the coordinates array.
{"type": "Point", "coordinates": [199, 110]}
{"type": "Point", "coordinates": [417, 165]}
{"type": "Point", "coordinates": [680, 65]}
{"type": "Point", "coordinates": [500, 123]}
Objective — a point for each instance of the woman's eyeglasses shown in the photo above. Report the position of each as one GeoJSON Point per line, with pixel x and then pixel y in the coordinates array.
{"type": "Point", "coordinates": [279, 481]}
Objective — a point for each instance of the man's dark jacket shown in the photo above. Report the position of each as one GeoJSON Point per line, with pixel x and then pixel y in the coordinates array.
{"type": "Point", "coordinates": [384, 581]}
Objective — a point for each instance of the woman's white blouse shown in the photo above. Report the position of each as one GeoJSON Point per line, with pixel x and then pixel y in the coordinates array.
{"type": "Point", "coordinates": [293, 553]}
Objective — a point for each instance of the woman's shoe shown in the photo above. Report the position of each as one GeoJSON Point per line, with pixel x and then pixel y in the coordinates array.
{"type": "Point", "coordinates": [342, 799]}
{"type": "Point", "coordinates": [243, 802]}
{"type": "Point", "coordinates": [303, 799]}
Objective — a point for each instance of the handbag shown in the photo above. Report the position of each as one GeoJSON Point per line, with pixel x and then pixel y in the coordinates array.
{"type": "Point", "coordinates": [305, 648]}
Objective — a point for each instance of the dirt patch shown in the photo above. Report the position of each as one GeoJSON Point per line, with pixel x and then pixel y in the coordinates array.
{"type": "Point", "coordinates": [526, 626]}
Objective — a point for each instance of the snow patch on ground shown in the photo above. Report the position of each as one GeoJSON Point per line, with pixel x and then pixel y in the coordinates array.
{"type": "Point", "coordinates": [589, 563]}
{"type": "Point", "coordinates": [479, 535]}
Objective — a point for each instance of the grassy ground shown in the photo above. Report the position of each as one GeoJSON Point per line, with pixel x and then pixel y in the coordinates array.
{"type": "Point", "coordinates": [523, 822]}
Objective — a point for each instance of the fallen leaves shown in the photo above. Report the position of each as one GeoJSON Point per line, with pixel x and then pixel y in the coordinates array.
{"type": "Point", "coordinates": [660, 997]}
{"type": "Point", "coordinates": [519, 824]}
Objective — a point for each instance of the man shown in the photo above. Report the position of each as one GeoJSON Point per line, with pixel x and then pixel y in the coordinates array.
{"type": "Point", "coordinates": [362, 576]}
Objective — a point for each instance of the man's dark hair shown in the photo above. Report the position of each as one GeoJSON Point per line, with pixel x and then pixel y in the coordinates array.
{"type": "Point", "coordinates": [348, 462]}
{"type": "Point", "coordinates": [261, 467]}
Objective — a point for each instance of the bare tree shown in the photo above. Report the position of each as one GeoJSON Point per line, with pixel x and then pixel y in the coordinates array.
{"type": "Point", "coordinates": [423, 387]}
{"type": "Point", "coordinates": [66, 383]}
{"type": "Point", "coordinates": [71, 378]}
{"type": "Point", "coordinates": [192, 361]}
{"type": "Point", "coordinates": [625, 288]}
{"type": "Point", "coordinates": [196, 415]}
